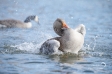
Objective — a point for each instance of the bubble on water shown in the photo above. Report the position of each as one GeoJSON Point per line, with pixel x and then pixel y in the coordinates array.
{"type": "Point", "coordinates": [103, 63]}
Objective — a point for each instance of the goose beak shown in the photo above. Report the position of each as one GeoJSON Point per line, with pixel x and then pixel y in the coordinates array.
{"type": "Point", "coordinates": [64, 25]}
{"type": "Point", "coordinates": [38, 22]}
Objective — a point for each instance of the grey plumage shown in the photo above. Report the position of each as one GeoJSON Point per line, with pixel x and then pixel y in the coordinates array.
{"type": "Point", "coordinates": [50, 46]}
{"type": "Point", "coordinates": [29, 18]}
{"type": "Point", "coordinates": [10, 22]}
{"type": "Point", "coordinates": [58, 28]}
{"type": "Point", "coordinates": [19, 24]}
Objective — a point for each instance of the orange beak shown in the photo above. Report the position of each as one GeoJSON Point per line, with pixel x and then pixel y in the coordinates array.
{"type": "Point", "coordinates": [64, 25]}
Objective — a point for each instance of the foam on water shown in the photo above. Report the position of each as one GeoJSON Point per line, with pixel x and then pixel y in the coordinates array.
{"type": "Point", "coordinates": [34, 48]}
{"type": "Point", "coordinates": [28, 47]}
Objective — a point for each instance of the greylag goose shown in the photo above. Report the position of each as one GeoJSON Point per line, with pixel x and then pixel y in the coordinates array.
{"type": "Point", "coordinates": [70, 40]}
{"type": "Point", "coordinates": [16, 23]}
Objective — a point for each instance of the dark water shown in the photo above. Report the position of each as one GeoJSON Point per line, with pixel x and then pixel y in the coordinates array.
{"type": "Point", "coordinates": [19, 47]}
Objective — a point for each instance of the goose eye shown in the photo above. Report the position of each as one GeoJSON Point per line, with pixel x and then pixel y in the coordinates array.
{"type": "Point", "coordinates": [60, 21]}
{"type": "Point", "coordinates": [56, 29]}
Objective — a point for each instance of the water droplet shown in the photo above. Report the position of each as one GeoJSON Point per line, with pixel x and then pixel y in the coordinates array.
{"type": "Point", "coordinates": [88, 29]}
{"type": "Point", "coordinates": [72, 17]}
{"type": "Point", "coordinates": [100, 54]}
{"type": "Point", "coordinates": [110, 34]}
{"type": "Point", "coordinates": [16, 2]}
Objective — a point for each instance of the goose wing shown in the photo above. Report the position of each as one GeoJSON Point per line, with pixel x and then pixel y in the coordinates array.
{"type": "Point", "coordinates": [10, 22]}
{"type": "Point", "coordinates": [50, 46]}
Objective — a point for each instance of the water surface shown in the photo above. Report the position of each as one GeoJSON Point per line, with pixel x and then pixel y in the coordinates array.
{"type": "Point", "coordinates": [19, 47]}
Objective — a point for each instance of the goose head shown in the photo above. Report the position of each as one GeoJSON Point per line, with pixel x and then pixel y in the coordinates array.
{"type": "Point", "coordinates": [32, 17]}
{"type": "Point", "coordinates": [58, 26]}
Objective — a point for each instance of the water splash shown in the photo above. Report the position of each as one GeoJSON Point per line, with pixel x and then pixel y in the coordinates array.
{"type": "Point", "coordinates": [28, 47]}
{"type": "Point", "coordinates": [32, 47]}
{"type": "Point", "coordinates": [90, 48]}
{"type": "Point", "coordinates": [92, 44]}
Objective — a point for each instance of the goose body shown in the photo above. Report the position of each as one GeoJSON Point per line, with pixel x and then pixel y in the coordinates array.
{"type": "Point", "coordinates": [16, 23]}
{"type": "Point", "coordinates": [70, 40]}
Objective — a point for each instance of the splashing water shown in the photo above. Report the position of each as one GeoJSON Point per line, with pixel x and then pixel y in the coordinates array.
{"type": "Point", "coordinates": [91, 45]}
{"type": "Point", "coordinates": [28, 47]}
{"type": "Point", "coordinates": [32, 47]}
